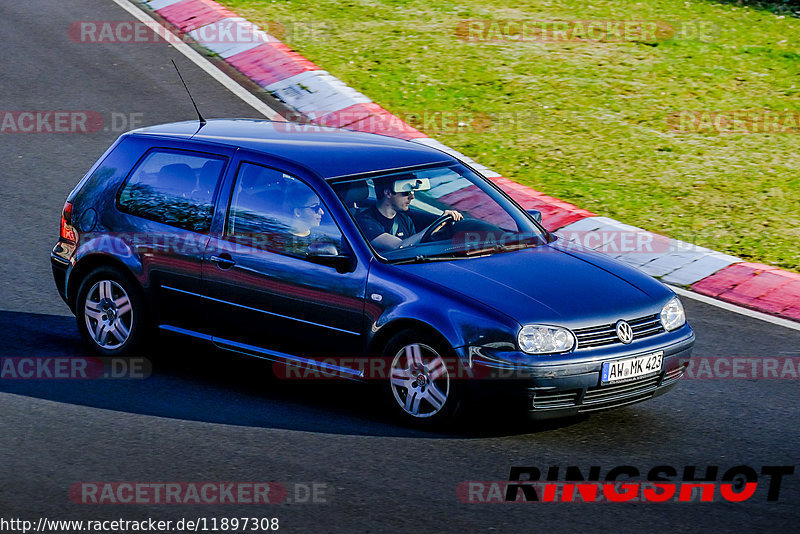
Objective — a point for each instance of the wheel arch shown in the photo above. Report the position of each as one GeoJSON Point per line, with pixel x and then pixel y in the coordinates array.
{"type": "Point", "coordinates": [90, 263]}
{"type": "Point", "coordinates": [381, 339]}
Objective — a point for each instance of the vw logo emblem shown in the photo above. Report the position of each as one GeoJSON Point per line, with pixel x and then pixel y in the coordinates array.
{"type": "Point", "coordinates": [624, 332]}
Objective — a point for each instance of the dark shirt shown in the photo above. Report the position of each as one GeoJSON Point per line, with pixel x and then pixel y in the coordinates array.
{"type": "Point", "coordinates": [373, 224]}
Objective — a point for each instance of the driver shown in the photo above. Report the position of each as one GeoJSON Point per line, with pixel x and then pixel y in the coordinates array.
{"type": "Point", "coordinates": [386, 224]}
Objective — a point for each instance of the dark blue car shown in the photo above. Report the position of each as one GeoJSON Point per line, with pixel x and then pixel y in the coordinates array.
{"type": "Point", "coordinates": [336, 253]}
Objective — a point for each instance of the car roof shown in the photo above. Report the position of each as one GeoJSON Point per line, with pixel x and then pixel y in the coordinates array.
{"type": "Point", "coordinates": [329, 152]}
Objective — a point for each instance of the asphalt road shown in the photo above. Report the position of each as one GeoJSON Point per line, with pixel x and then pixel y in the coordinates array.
{"type": "Point", "coordinates": [207, 416]}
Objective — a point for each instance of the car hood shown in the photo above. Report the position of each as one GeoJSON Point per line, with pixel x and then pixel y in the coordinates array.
{"type": "Point", "coordinates": [551, 284]}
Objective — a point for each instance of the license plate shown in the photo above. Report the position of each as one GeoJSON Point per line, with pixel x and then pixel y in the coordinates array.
{"type": "Point", "coordinates": [631, 368]}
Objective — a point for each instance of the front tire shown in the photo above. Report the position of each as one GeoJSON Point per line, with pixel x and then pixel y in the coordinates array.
{"type": "Point", "coordinates": [110, 313]}
{"type": "Point", "coordinates": [422, 389]}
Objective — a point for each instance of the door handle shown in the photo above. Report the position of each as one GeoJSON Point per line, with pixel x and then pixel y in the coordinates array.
{"type": "Point", "coordinates": [223, 261]}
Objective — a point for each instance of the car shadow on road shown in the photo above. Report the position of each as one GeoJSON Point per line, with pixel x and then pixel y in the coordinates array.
{"type": "Point", "coordinates": [194, 382]}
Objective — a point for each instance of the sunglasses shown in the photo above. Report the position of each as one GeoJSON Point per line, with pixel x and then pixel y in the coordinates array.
{"type": "Point", "coordinates": [405, 193]}
{"type": "Point", "coordinates": [315, 207]}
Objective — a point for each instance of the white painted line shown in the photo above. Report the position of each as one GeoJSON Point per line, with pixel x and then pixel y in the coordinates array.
{"type": "Point", "coordinates": [201, 62]}
{"type": "Point", "coordinates": [786, 323]}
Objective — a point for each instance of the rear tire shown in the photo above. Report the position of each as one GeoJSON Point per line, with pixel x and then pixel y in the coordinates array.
{"type": "Point", "coordinates": [110, 312]}
{"type": "Point", "coordinates": [421, 388]}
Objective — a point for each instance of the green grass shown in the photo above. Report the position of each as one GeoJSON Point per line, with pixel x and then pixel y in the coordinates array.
{"type": "Point", "coordinates": [588, 123]}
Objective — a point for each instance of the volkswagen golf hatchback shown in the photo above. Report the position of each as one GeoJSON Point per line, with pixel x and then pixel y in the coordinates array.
{"type": "Point", "coordinates": [345, 254]}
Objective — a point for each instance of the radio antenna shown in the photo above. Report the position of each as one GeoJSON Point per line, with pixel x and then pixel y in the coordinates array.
{"type": "Point", "coordinates": [199, 116]}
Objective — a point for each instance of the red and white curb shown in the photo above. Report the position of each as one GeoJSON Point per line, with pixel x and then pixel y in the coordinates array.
{"type": "Point", "coordinates": [326, 100]}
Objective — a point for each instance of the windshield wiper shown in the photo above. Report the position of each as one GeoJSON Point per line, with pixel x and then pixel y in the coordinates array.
{"type": "Point", "coordinates": [468, 252]}
{"type": "Point", "coordinates": [498, 247]}
{"type": "Point", "coordinates": [426, 259]}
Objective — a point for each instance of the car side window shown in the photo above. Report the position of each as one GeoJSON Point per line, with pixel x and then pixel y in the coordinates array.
{"type": "Point", "coordinates": [174, 187]}
{"type": "Point", "coordinates": [278, 212]}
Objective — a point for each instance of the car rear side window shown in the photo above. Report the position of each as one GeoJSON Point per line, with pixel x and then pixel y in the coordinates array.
{"type": "Point", "coordinates": [174, 187]}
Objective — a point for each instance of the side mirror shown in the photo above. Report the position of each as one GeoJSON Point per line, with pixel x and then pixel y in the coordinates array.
{"type": "Point", "coordinates": [327, 254]}
{"type": "Point", "coordinates": [536, 214]}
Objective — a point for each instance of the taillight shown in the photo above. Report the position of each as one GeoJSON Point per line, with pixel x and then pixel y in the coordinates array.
{"type": "Point", "coordinates": [67, 231]}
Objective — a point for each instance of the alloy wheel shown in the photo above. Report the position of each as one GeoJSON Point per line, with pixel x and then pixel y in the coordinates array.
{"type": "Point", "coordinates": [420, 381]}
{"type": "Point", "coordinates": [108, 313]}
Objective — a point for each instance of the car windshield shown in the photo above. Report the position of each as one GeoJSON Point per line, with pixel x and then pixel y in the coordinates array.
{"type": "Point", "coordinates": [436, 213]}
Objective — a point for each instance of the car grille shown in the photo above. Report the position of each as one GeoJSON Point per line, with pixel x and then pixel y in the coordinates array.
{"type": "Point", "coordinates": [596, 336]}
{"type": "Point", "coordinates": [674, 374]}
{"type": "Point", "coordinates": [602, 397]}
{"type": "Point", "coordinates": [599, 397]}
{"type": "Point", "coordinates": [561, 399]}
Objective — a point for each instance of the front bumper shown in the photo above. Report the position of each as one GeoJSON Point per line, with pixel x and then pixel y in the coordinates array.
{"type": "Point", "coordinates": [566, 388]}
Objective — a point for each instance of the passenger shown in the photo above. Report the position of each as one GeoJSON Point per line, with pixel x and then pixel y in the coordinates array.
{"type": "Point", "coordinates": [305, 215]}
{"type": "Point", "coordinates": [305, 211]}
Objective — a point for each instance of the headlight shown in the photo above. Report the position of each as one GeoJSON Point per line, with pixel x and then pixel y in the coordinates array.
{"type": "Point", "coordinates": [672, 315]}
{"type": "Point", "coordinates": [541, 339]}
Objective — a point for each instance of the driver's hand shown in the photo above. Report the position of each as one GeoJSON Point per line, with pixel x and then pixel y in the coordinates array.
{"type": "Point", "coordinates": [456, 215]}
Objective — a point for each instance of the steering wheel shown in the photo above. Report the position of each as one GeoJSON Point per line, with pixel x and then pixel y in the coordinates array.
{"type": "Point", "coordinates": [436, 227]}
